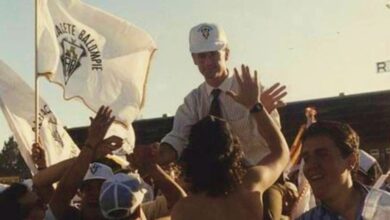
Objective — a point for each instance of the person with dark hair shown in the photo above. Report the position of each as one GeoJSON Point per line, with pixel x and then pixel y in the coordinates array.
{"type": "Point", "coordinates": [331, 154]}
{"type": "Point", "coordinates": [221, 185]}
{"type": "Point", "coordinates": [212, 162]}
{"type": "Point", "coordinates": [17, 202]}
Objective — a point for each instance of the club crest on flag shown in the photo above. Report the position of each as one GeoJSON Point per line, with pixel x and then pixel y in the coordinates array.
{"type": "Point", "coordinates": [54, 131]}
{"type": "Point", "coordinates": [205, 30]}
{"type": "Point", "coordinates": [97, 58]}
{"type": "Point", "coordinates": [79, 47]}
{"type": "Point", "coordinates": [45, 113]}
{"type": "Point", "coordinates": [70, 57]}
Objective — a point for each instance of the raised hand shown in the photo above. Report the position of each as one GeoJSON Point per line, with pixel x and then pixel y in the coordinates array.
{"type": "Point", "coordinates": [248, 92]}
{"type": "Point", "coordinates": [38, 156]}
{"type": "Point", "coordinates": [108, 145]}
{"type": "Point", "coordinates": [271, 98]}
{"type": "Point", "coordinates": [99, 126]}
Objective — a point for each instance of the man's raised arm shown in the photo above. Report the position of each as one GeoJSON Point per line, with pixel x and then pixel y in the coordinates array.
{"type": "Point", "coordinates": [266, 172]}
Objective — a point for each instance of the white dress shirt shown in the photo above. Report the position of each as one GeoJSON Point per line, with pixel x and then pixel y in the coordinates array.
{"type": "Point", "coordinates": [197, 105]}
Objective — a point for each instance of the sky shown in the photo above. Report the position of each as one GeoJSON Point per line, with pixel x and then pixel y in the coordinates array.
{"type": "Point", "coordinates": [316, 48]}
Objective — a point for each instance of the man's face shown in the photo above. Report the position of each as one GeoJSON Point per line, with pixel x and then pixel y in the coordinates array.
{"type": "Point", "coordinates": [90, 193]}
{"type": "Point", "coordinates": [325, 169]}
{"type": "Point", "coordinates": [30, 201]}
{"type": "Point", "coordinates": [211, 64]}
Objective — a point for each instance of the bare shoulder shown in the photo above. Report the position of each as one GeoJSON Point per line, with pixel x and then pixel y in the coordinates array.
{"type": "Point", "coordinates": [238, 205]}
{"type": "Point", "coordinates": [252, 180]}
{"type": "Point", "coordinates": [250, 197]}
{"type": "Point", "coordinates": [251, 204]}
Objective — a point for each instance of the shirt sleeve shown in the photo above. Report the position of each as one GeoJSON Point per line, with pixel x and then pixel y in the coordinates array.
{"type": "Point", "coordinates": [49, 214]}
{"type": "Point", "coordinates": [184, 119]}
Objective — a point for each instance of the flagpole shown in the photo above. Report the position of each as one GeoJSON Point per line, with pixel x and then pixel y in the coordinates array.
{"type": "Point", "coordinates": [36, 75]}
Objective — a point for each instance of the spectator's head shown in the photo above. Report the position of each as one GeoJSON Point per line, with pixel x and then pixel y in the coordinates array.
{"type": "Point", "coordinates": [90, 188]}
{"type": "Point", "coordinates": [330, 151]}
{"type": "Point", "coordinates": [121, 196]}
{"type": "Point", "coordinates": [17, 202]}
{"type": "Point", "coordinates": [209, 49]}
{"type": "Point", "coordinates": [369, 169]}
{"type": "Point", "coordinates": [212, 162]}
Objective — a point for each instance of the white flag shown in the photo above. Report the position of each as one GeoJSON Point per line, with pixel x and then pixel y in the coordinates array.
{"type": "Point", "coordinates": [94, 56]}
{"type": "Point", "coordinates": [376, 205]}
{"type": "Point", "coordinates": [17, 101]}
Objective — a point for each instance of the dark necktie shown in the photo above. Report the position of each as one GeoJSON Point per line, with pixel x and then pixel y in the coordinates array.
{"type": "Point", "coordinates": [215, 108]}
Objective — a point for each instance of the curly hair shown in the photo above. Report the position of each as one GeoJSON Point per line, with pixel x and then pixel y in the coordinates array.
{"type": "Point", "coordinates": [343, 135]}
{"type": "Point", "coordinates": [212, 162]}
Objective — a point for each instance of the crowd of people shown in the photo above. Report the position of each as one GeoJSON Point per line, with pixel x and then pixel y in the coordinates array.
{"type": "Point", "coordinates": [225, 158]}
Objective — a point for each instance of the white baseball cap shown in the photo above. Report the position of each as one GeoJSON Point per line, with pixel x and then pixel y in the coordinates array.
{"type": "Point", "coordinates": [121, 195]}
{"type": "Point", "coordinates": [207, 37]}
{"type": "Point", "coordinates": [98, 171]}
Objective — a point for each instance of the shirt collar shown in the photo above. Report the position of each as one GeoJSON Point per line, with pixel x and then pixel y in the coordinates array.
{"type": "Point", "coordinates": [226, 85]}
{"type": "Point", "coordinates": [362, 188]}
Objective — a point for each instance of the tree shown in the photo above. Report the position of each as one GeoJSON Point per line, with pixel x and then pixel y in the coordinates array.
{"type": "Point", "coordinates": [12, 162]}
